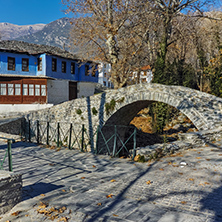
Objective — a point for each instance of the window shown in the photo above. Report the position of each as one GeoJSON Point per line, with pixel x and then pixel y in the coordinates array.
{"type": "Point", "coordinates": [10, 89]}
{"type": "Point", "coordinates": [43, 90]}
{"type": "Point", "coordinates": [86, 70]}
{"type": "Point", "coordinates": [54, 64]}
{"type": "Point", "coordinates": [72, 68]}
{"type": "Point", "coordinates": [11, 63]}
{"type": "Point", "coordinates": [17, 89]}
{"type": "Point", "coordinates": [63, 66]}
{"type": "Point", "coordinates": [37, 90]}
{"type": "Point", "coordinates": [31, 89]}
{"type": "Point", "coordinates": [25, 89]}
{"type": "Point", "coordinates": [3, 89]}
{"type": "Point", "coordinates": [25, 65]}
{"type": "Point", "coordinates": [39, 64]}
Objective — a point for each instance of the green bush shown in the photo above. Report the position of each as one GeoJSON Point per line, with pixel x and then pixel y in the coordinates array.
{"type": "Point", "coordinates": [79, 111]}
{"type": "Point", "coordinates": [109, 107]}
{"type": "Point", "coordinates": [94, 111]}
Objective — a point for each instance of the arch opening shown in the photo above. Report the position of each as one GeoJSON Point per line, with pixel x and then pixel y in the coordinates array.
{"type": "Point", "coordinates": [124, 120]}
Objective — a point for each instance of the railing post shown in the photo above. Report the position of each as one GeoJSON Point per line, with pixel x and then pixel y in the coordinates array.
{"type": "Point", "coordinates": [23, 126]}
{"type": "Point", "coordinates": [47, 134]}
{"type": "Point", "coordinates": [10, 155]}
{"type": "Point", "coordinates": [97, 136]}
{"type": "Point", "coordinates": [29, 131]}
{"type": "Point", "coordinates": [134, 144]}
{"type": "Point", "coordinates": [21, 129]}
{"type": "Point", "coordinates": [82, 142]}
{"type": "Point", "coordinates": [70, 136]}
{"type": "Point", "coordinates": [114, 144]}
{"type": "Point", "coordinates": [58, 135]}
{"type": "Point", "coordinates": [38, 132]}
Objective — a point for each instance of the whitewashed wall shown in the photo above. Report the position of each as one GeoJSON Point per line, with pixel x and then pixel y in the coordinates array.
{"type": "Point", "coordinates": [85, 89]}
{"type": "Point", "coordinates": [104, 70]}
{"type": "Point", "coordinates": [58, 91]}
{"type": "Point", "coordinates": [14, 108]}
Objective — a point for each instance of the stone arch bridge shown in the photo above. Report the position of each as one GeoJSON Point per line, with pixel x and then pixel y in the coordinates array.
{"type": "Point", "coordinates": [119, 107]}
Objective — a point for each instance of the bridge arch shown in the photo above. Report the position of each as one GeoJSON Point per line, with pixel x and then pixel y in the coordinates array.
{"type": "Point", "coordinates": [120, 106]}
{"type": "Point", "coordinates": [201, 108]}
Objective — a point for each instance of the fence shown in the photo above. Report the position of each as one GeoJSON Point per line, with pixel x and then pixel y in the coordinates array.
{"type": "Point", "coordinates": [110, 139]}
{"type": "Point", "coordinates": [8, 153]}
{"type": "Point", "coordinates": [116, 140]}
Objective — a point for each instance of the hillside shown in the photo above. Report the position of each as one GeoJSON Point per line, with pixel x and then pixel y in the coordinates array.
{"type": "Point", "coordinates": [55, 33]}
{"type": "Point", "coordinates": [10, 31]}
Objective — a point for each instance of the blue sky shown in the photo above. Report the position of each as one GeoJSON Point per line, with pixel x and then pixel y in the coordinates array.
{"type": "Point", "coordinates": [26, 12]}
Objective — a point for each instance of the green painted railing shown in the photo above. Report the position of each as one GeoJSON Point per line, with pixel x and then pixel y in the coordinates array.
{"type": "Point", "coordinates": [115, 144]}
{"type": "Point", "coordinates": [58, 134]}
{"type": "Point", "coordinates": [9, 154]}
{"type": "Point", "coordinates": [74, 136]}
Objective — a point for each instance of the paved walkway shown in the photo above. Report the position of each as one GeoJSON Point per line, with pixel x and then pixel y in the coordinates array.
{"type": "Point", "coordinates": [65, 185]}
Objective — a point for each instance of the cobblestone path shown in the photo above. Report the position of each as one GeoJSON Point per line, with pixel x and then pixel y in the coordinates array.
{"type": "Point", "coordinates": [65, 185]}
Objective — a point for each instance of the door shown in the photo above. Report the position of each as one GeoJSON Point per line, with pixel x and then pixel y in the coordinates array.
{"type": "Point", "coordinates": [72, 90]}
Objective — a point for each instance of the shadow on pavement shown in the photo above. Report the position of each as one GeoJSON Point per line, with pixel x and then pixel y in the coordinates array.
{"type": "Point", "coordinates": [38, 189]}
{"type": "Point", "coordinates": [212, 202]}
{"type": "Point", "coordinates": [119, 197]}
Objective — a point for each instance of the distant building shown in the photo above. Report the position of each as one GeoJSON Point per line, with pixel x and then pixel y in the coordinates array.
{"type": "Point", "coordinates": [31, 73]}
{"type": "Point", "coordinates": [143, 75]}
{"type": "Point", "coordinates": [104, 70]}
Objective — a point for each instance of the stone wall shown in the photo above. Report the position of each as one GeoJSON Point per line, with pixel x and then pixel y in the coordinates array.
{"type": "Point", "coordinates": [10, 190]}
{"type": "Point", "coordinates": [12, 126]}
{"type": "Point", "coordinates": [118, 107]}
{"type": "Point", "coordinates": [203, 109]}
{"type": "Point", "coordinates": [186, 141]}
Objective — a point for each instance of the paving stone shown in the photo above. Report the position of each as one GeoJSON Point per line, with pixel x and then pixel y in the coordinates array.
{"type": "Point", "coordinates": [174, 193]}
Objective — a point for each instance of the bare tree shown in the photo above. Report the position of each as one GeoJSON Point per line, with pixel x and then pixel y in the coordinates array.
{"type": "Point", "coordinates": [108, 30]}
{"type": "Point", "coordinates": [167, 10]}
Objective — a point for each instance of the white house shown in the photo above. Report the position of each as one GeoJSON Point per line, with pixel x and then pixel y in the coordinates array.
{"type": "Point", "coordinates": [104, 70]}
{"type": "Point", "coordinates": [143, 75]}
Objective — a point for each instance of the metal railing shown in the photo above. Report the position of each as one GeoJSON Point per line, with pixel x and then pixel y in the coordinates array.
{"type": "Point", "coordinates": [7, 153]}
{"type": "Point", "coordinates": [116, 140]}
{"type": "Point", "coordinates": [113, 140]}
{"type": "Point", "coordinates": [72, 136]}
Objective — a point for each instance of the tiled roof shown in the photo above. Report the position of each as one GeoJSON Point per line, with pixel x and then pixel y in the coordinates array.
{"type": "Point", "coordinates": [144, 68]}
{"type": "Point", "coordinates": [34, 49]}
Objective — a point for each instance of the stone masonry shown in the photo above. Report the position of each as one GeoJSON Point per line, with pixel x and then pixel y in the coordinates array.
{"type": "Point", "coordinates": [10, 190]}
{"type": "Point", "coordinates": [120, 106]}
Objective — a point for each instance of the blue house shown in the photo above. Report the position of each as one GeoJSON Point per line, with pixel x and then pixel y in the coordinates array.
{"type": "Point", "coordinates": [31, 73]}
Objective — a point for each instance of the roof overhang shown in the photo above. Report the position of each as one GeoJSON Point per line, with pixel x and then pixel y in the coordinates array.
{"type": "Point", "coordinates": [25, 76]}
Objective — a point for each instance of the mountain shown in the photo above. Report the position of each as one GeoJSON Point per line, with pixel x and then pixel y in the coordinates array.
{"type": "Point", "coordinates": [10, 31]}
{"type": "Point", "coordinates": [55, 33]}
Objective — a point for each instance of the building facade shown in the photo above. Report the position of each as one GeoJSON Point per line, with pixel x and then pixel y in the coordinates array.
{"type": "Point", "coordinates": [143, 75]}
{"type": "Point", "coordinates": [104, 70]}
{"type": "Point", "coordinates": [31, 73]}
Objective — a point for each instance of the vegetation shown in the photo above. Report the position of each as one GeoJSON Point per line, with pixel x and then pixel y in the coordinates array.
{"type": "Point", "coordinates": [131, 34]}
{"type": "Point", "coordinates": [180, 40]}
{"type": "Point", "coordinates": [79, 111]}
{"type": "Point", "coordinates": [94, 111]}
{"type": "Point", "coordinates": [214, 71]}
{"type": "Point", "coordinates": [109, 107]}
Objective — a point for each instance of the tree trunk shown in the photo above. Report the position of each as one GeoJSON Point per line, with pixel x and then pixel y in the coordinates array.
{"type": "Point", "coordinates": [165, 37]}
